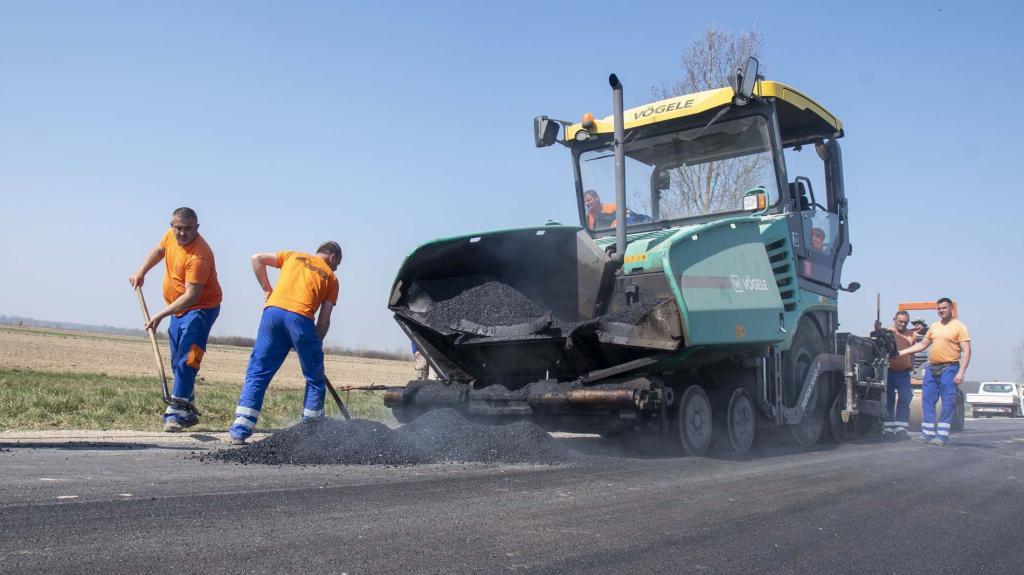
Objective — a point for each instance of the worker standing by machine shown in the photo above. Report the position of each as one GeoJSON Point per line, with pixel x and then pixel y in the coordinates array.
{"type": "Point", "coordinates": [307, 289]}
{"type": "Point", "coordinates": [898, 392]}
{"type": "Point", "coordinates": [920, 328]}
{"type": "Point", "coordinates": [193, 298]}
{"type": "Point", "coordinates": [947, 364]}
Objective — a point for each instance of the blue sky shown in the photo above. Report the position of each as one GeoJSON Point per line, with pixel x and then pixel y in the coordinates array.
{"type": "Point", "coordinates": [385, 125]}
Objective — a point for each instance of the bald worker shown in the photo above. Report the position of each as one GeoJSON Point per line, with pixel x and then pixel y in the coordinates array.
{"type": "Point", "coordinates": [193, 299]}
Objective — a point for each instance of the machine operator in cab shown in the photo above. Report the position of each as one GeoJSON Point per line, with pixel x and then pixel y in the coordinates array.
{"type": "Point", "coordinates": [602, 216]}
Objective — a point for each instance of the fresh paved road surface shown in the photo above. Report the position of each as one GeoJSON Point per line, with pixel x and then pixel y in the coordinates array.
{"type": "Point", "coordinates": [117, 507]}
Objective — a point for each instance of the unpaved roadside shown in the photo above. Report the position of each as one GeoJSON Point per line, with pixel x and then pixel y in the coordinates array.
{"type": "Point", "coordinates": [60, 351]}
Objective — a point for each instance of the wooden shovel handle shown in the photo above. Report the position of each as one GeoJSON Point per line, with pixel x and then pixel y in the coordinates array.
{"type": "Point", "coordinates": [152, 339]}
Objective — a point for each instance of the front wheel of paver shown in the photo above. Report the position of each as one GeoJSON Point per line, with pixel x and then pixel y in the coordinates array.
{"type": "Point", "coordinates": [807, 345]}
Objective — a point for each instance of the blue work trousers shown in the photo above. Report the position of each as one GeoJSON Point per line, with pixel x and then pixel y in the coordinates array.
{"type": "Point", "coordinates": [188, 335]}
{"type": "Point", "coordinates": [931, 391]}
{"type": "Point", "coordinates": [898, 397]}
{"type": "Point", "coordinates": [280, 331]}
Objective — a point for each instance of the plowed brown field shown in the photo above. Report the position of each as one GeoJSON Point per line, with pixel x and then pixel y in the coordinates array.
{"type": "Point", "coordinates": [58, 351]}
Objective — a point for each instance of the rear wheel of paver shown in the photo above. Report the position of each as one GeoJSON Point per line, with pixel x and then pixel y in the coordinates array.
{"type": "Point", "coordinates": [693, 421]}
{"type": "Point", "coordinates": [740, 421]}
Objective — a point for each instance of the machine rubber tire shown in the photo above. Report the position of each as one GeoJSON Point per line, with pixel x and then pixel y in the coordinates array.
{"type": "Point", "coordinates": [740, 421]}
{"type": "Point", "coordinates": [692, 421]}
{"type": "Point", "coordinates": [807, 344]}
{"type": "Point", "coordinates": [916, 410]}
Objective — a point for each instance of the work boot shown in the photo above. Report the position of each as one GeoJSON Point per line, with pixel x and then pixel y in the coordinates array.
{"type": "Point", "coordinates": [922, 438]}
{"type": "Point", "coordinates": [237, 440]}
{"type": "Point", "coordinates": [175, 424]}
{"type": "Point", "coordinates": [901, 435]}
{"type": "Point", "coordinates": [938, 442]}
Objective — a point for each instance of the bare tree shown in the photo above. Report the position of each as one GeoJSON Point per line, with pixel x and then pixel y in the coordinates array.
{"type": "Point", "coordinates": [707, 64]}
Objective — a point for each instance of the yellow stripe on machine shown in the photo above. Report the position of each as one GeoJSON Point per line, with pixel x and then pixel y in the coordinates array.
{"type": "Point", "coordinates": [700, 102]}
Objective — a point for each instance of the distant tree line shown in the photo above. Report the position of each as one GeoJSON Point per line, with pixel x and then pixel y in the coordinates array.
{"type": "Point", "coordinates": [232, 340]}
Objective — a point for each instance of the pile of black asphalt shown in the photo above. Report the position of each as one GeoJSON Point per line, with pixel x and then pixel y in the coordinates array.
{"type": "Point", "coordinates": [479, 299]}
{"type": "Point", "coordinates": [438, 436]}
{"type": "Point", "coordinates": [486, 301]}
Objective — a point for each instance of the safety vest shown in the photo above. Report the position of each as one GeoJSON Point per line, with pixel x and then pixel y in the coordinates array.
{"type": "Point", "coordinates": [606, 217]}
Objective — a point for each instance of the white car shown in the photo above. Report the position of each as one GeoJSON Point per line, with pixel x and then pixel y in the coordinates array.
{"type": "Point", "coordinates": [997, 398]}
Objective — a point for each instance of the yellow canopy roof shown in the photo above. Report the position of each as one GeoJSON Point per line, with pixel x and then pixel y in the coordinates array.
{"type": "Point", "coordinates": [799, 116]}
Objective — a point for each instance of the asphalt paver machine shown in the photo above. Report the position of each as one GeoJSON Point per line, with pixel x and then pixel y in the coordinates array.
{"type": "Point", "coordinates": [696, 301]}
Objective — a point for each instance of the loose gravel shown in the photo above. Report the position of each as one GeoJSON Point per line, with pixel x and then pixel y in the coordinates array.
{"type": "Point", "coordinates": [438, 436]}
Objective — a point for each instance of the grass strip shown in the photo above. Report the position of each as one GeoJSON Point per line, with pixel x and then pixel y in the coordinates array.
{"type": "Point", "coordinates": [40, 400]}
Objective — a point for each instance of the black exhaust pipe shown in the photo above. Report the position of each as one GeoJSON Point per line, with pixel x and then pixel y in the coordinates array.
{"type": "Point", "coordinates": [620, 170]}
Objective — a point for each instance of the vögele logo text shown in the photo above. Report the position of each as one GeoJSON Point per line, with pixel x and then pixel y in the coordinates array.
{"type": "Point", "coordinates": [747, 283]}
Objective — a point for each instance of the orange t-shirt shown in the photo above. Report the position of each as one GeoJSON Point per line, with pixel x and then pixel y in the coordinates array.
{"type": "Point", "coordinates": [902, 342]}
{"type": "Point", "coordinates": [305, 282]}
{"type": "Point", "coordinates": [605, 210]}
{"type": "Point", "coordinates": [946, 341]}
{"type": "Point", "coordinates": [190, 264]}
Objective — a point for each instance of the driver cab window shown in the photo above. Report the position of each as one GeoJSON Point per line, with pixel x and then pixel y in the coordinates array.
{"type": "Point", "coordinates": [677, 174]}
{"type": "Point", "coordinates": [809, 197]}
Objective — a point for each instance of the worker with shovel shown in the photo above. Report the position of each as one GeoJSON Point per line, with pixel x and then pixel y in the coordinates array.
{"type": "Point", "coordinates": [193, 298]}
{"type": "Point", "coordinates": [306, 289]}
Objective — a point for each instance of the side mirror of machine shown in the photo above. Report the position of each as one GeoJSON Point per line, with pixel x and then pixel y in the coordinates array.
{"type": "Point", "coordinates": [545, 131]}
{"type": "Point", "coordinates": [854, 286]}
{"type": "Point", "coordinates": [755, 200]}
{"type": "Point", "coordinates": [746, 79]}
